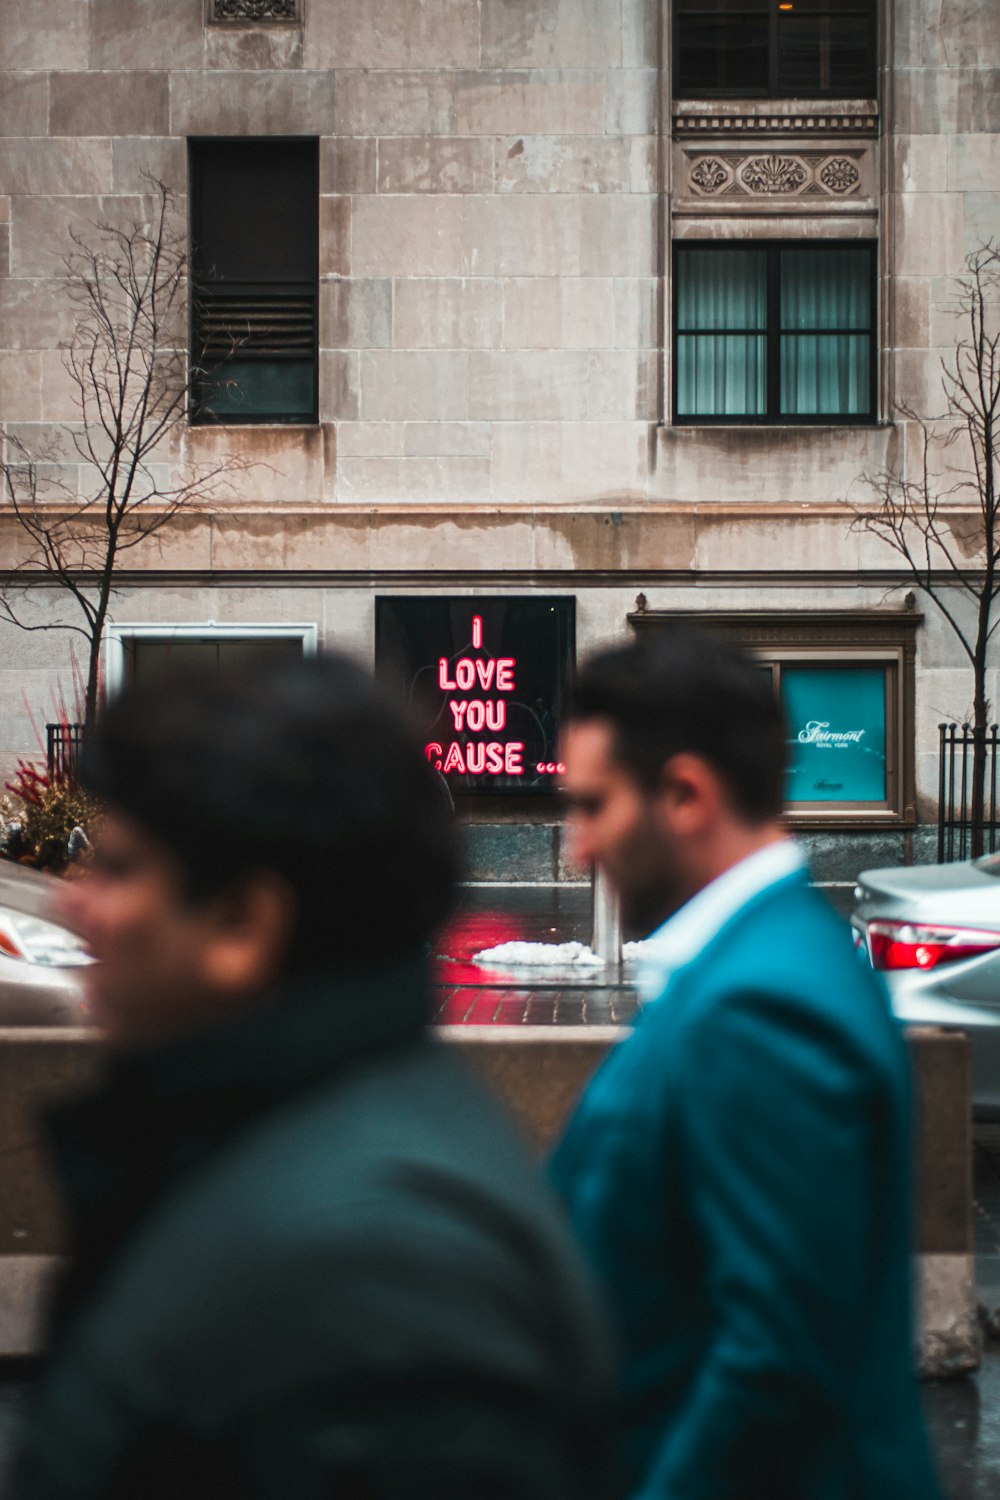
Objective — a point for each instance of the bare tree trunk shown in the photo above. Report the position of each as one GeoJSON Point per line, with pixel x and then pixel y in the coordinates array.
{"type": "Point", "coordinates": [978, 788]}
{"type": "Point", "coordinates": [127, 361]}
{"type": "Point", "coordinates": [941, 515]}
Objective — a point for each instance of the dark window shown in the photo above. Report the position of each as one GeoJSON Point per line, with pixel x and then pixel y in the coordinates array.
{"type": "Point", "coordinates": [255, 265]}
{"type": "Point", "coordinates": [774, 332]}
{"type": "Point", "coordinates": [146, 657]}
{"type": "Point", "coordinates": [793, 49]}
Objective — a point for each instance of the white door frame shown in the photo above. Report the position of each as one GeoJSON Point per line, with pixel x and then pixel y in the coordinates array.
{"type": "Point", "coordinates": [116, 635]}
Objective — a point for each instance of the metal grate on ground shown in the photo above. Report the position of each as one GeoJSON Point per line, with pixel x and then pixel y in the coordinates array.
{"type": "Point", "coordinates": [535, 1005]}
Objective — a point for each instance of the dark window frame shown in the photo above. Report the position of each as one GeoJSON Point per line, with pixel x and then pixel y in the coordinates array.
{"type": "Point", "coordinates": [304, 290]}
{"type": "Point", "coordinates": [773, 332]}
{"type": "Point", "coordinates": [832, 639]}
{"type": "Point", "coordinates": [868, 9]}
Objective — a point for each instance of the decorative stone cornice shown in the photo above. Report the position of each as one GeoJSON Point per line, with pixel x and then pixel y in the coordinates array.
{"type": "Point", "coordinates": [262, 11]}
{"type": "Point", "coordinates": [715, 122]}
{"type": "Point", "coordinates": [797, 627]}
{"type": "Point", "coordinates": [813, 174]}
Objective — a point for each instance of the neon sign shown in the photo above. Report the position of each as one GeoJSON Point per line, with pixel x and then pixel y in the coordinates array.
{"type": "Point", "coordinates": [482, 758]}
{"type": "Point", "coordinates": [490, 694]}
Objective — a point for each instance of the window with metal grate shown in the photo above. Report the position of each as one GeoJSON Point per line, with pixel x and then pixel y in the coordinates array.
{"type": "Point", "coordinates": [255, 263]}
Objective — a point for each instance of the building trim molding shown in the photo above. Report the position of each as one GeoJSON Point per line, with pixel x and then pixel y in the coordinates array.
{"type": "Point", "coordinates": [770, 121]}
{"type": "Point", "coordinates": [448, 578]}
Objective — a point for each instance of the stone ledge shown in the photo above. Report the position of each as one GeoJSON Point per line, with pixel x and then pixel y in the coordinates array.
{"type": "Point", "coordinates": [537, 1072]}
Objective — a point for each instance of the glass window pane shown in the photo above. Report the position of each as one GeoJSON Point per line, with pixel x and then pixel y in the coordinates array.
{"type": "Point", "coordinates": [837, 739]}
{"type": "Point", "coordinates": [825, 288]}
{"type": "Point", "coordinates": [241, 388]}
{"type": "Point", "coordinates": [255, 210]}
{"type": "Point", "coordinates": [818, 8]}
{"type": "Point", "coordinates": [825, 375]}
{"type": "Point", "coordinates": [729, 7]}
{"type": "Point", "coordinates": [721, 289]}
{"type": "Point", "coordinates": [722, 53]}
{"type": "Point", "coordinates": [824, 53]}
{"type": "Point", "coordinates": [260, 650]}
{"type": "Point", "coordinates": [151, 657]}
{"type": "Point", "coordinates": [721, 375]}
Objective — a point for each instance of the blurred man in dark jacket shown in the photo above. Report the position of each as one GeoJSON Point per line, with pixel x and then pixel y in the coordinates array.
{"type": "Point", "coordinates": [307, 1257]}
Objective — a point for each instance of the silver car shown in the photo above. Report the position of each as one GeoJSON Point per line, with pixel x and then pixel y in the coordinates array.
{"type": "Point", "coordinates": [41, 962]}
{"type": "Point", "coordinates": [933, 931]}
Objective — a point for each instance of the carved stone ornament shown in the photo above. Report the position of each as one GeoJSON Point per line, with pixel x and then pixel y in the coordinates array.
{"type": "Point", "coordinates": [709, 174]}
{"type": "Point", "coordinates": [774, 174]}
{"type": "Point", "coordinates": [839, 175]}
{"type": "Point", "coordinates": [255, 10]}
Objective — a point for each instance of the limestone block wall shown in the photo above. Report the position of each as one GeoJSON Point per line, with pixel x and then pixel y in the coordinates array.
{"type": "Point", "coordinates": [489, 253]}
{"type": "Point", "coordinates": [500, 185]}
{"type": "Point", "coordinates": [501, 182]}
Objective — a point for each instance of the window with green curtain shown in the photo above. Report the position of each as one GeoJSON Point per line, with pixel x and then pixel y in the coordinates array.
{"type": "Point", "coordinates": [774, 331]}
{"type": "Point", "coordinates": [825, 331]}
{"type": "Point", "coordinates": [722, 333]}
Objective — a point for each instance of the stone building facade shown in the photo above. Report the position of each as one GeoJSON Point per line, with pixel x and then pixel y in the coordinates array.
{"type": "Point", "coordinates": [506, 189]}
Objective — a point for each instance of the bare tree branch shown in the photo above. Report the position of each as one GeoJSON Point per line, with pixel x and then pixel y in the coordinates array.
{"type": "Point", "coordinates": [942, 519]}
{"type": "Point", "coordinates": [128, 365]}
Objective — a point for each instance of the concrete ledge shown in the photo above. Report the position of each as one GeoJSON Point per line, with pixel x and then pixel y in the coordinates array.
{"type": "Point", "coordinates": [538, 1072]}
{"type": "Point", "coordinates": [24, 1283]}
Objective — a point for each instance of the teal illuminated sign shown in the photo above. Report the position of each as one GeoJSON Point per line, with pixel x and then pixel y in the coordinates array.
{"type": "Point", "coordinates": [836, 720]}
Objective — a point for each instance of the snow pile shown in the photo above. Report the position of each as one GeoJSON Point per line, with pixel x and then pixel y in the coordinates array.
{"type": "Point", "coordinates": [534, 955]}
{"type": "Point", "coordinates": [541, 955]}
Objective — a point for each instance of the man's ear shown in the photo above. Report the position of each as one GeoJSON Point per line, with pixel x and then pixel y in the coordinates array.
{"type": "Point", "coordinates": [250, 930]}
{"type": "Point", "coordinates": [691, 793]}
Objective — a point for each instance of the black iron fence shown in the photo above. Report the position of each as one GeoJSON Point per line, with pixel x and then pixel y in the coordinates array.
{"type": "Point", "coordinates": [955, 800]}
{"type": "Point", "coordinates": [62, 746]}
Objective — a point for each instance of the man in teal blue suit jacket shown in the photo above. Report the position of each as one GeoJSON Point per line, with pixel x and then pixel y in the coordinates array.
{"type": "Point", "coordinates": [738, 1172]}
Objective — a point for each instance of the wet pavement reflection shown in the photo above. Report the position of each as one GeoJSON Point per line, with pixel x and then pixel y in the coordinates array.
{"type": "Point", "coordinates": [470, 994]}
{"type": "Point", "coordinates": [963, 1414]}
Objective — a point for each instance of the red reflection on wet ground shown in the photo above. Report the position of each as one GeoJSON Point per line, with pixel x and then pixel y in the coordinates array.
{"type": "Point", "coordinates": [468, 1005]}
{"type": "Point", "coordinates": [470, 932]}
{"type": "Point", "coordinates": [469, 995]}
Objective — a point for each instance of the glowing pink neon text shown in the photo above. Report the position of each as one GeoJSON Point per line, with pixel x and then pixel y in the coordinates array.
{"type": "Point", "coordinates": [470, 670]}
{"type": "Point", "coordinates": [472, 715]}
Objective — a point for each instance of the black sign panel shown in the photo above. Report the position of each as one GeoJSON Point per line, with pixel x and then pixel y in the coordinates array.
{"type": "Point", "coordinates": [486, 678]}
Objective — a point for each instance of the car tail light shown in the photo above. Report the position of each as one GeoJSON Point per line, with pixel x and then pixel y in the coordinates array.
{"type": "Point", "coordinates": [903, 945]}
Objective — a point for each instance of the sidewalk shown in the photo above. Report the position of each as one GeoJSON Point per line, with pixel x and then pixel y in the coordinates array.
{"type": "Point", "coordinates": [963, 1415]}
{"type": "Point", "coordinates": [551, 996]}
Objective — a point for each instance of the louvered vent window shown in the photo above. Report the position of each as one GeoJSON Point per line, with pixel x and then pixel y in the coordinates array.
{"type": "Point", "coordinates": [254, 293]}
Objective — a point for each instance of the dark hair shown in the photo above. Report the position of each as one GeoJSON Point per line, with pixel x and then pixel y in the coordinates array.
{"type": "Point", "coordinates": [681, 689]}
{"type": "Point", "coordinates": [306, 769]}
